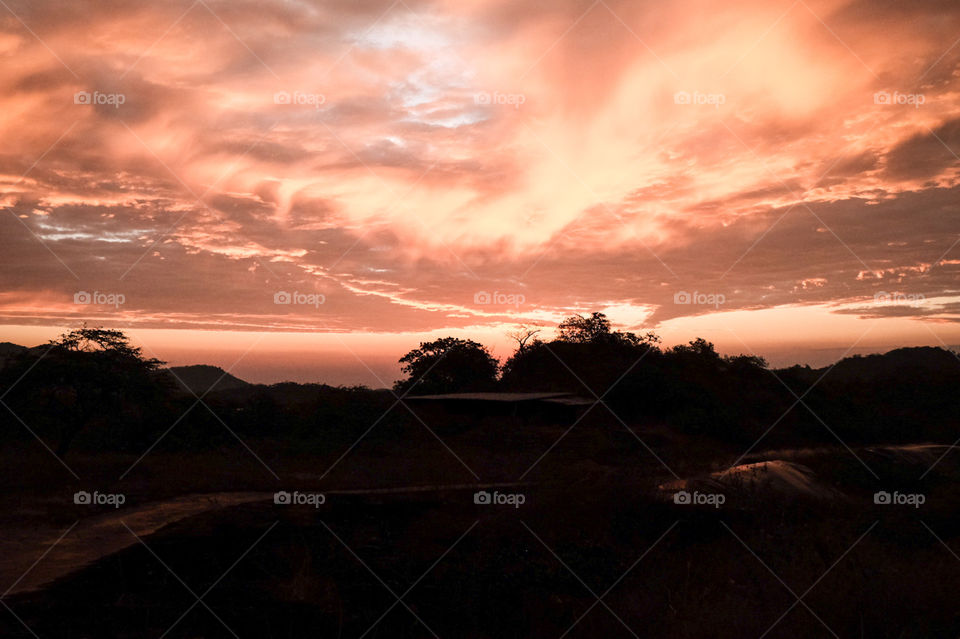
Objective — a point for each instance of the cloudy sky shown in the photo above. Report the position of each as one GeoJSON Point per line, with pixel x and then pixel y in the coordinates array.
{"type": "Point", "coordinates": [304, 189]}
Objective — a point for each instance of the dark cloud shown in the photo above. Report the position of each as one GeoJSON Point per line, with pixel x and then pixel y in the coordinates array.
{"type": "Point", "coordinates": [926, 154]}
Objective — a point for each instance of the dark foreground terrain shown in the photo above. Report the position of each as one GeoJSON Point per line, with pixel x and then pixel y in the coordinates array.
{"type": "Point", "coordinates": [599, 556]}
{"type": "Point", "coordinates": [669, 493]}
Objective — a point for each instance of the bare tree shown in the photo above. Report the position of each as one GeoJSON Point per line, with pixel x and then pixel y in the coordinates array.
{"type": "Point", "coordinates": [523, 334]}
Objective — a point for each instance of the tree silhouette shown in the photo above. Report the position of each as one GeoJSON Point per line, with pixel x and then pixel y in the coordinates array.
{"type": "Point", "coordinates": [580, 330]}
{"type": "Point", "coordinates": [586, 356]}
{"type": "Point", "coordinates": [448, 365]}
{"type": "Point", "coordinates": [92, 379]}
{"type": "Point", "coordinates": [112, 343]}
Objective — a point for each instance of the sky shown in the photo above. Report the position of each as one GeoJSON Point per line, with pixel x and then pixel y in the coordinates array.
{"type": "Point", "coordinates": [305, 190]}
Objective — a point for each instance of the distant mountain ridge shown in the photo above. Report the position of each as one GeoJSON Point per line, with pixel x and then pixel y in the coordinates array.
{"type": "Point", "coordinates": [9, 350]}
{"type": "Point", "coordinates": [908, 361]}
{"type": "Point", "coordinates": [917, 360]}
{"type": "Point", "coordinates": [203, 378]}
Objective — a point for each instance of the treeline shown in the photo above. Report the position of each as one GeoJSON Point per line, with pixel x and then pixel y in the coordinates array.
{"type": "Point", "coordinates": [906, 395]}
{"type": "Point", "coordinates": [91, 390]}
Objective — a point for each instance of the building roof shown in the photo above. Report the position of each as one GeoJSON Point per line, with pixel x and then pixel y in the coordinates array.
{"type": "Point", "coordinates": [495, 397]}
{"type": "Point", "coordinates": [570, 401]}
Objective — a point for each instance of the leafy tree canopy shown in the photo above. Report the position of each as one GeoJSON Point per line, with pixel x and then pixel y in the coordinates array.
{"type": "Point", "coordinates": [109, 342]}
{"type": "Point", "coordinates": [448, 365]}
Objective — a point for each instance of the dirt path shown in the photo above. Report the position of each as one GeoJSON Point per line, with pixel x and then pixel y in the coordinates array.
{"type": "Point", "coordinates": [30, 559]}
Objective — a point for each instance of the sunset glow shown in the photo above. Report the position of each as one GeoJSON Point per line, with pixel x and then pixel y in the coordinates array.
{"type": "Point", "coordinates": [306, 190]}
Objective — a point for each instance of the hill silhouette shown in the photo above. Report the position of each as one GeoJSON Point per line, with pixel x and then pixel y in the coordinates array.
{"type": "Point", "coordinates": [904, 363]}
{"type": "Point", "coordinates": [203, 378]}
{"type": "Point", "coordinates": [7, 349]}
{"type": "Point", "coordinates": [10, 351]}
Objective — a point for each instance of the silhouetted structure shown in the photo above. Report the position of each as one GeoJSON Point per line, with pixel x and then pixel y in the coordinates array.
{"type": "Point", "coordinates": [549, 406]}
